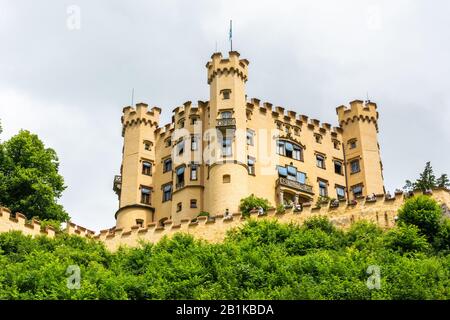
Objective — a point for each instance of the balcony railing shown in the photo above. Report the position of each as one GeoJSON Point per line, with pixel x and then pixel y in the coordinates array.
{"type": "Point", "coordinates": [117, 184]}
{"type": "Point", "coordinates": [295, 185]}
{"type": "Point", "coordinates": [226, 122]}
{"type": "Point", "coordinates": [179, 185]}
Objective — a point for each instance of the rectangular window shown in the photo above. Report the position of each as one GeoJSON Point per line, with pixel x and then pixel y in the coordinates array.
{"type": "Point", "coordinates": [194, 169]}
{"type": "Point", "coordinates": [320, 160]}
{"type": "Point", "coordinates": [140, 222]}
{"type": "Point", "coordinates": [340, 192]}
{"type": "Point", "coordinates": [179, 206]}
{"type": "Point", "coordinates": [181, 124]}
{"type": "Point", "coordinates": [180, 177]}
{"type": "Point", "coordinates": [354, 166]}
{"type": "Point", "coordinates": [357, 190]}
{"type": "Point", "coordinates": [250, 137]}
{"type": "Point", "coordinates": [352, 144]}
{"type": "Point", "coordinates": [180, 148]}
{"type": "Point", "coordinates": [318, 138]}
{"type": "Point", "coordinates": [145, 195]}
{"type": "Point", "coordinates": [194, 121]}
{"type": "Point", "coordinates": [194, 143]}
{"type": "Point", "coordinates": [193, 203]}
{"type": "Point", "coordinates": [251, 165]}
{"type": "Point", "coordinates": [226, 147]}
{"type": "Point", "coordinates": [167, 165]}
{"type": "Point", "coordinates": [289, 149]}
{"type": "Point", "coordinates": [167, 192]}
{"type": "Point", "coordinates": [323, 188]}
{"type": "Point", "coordinates": [280, 148]}
{"type": "Point", "coordinates": [147, 168]}
{"type": "Point", "coordinates": [338, 167]}
{"type": "Point", "coordinates": [297, 154]}
{"type": "Point", "coordinates": [168, 142]}
{"type": "Point", "coordinates": [226, 114]}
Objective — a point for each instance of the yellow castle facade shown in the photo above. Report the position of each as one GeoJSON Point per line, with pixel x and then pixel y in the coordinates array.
{"type": "Point", "coordinates": [217, 152]}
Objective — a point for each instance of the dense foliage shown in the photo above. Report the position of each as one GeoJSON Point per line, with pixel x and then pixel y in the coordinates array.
{"type": "Point", "coordinates": [29, 178]}
{"type": "Point", "coordinates": [261, 260]}
{"type": "Point", "coordinates": [427, 180]}
{"type": "Point", "coordinates": [252, 202]}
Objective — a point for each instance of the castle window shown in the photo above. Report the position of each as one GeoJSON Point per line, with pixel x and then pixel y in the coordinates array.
{"type": "Point", "coordinates": [181, 124]}
{"type": "Point", "coordinates": [226, 147]}
{"type": "Point", "coordinates": [320, 161]}
{"type": "Point", "coordinates": [286, 129]}
{"type": "Point", "coordinates": [194, 143]}
{"type": "Point", "coordinates": [251, 165]}
{"type": "Point", "coordinates": [147, 145]}
{"type": "Point", "coordinates": [340, 192]}
{"type": "Point", "coordinates": [296, 131]}
{"type": "Point", "coordinates": [194, 169]}
{"type": "Point", "coordinates": [145, 195]}
{"type": "Point", "coordinates": [289, 150]}
{"type": "Point", "coordinates": [167, 165]}
{"type": "Point", "coordinates": [291, 173]}
{"type": "Point", "coordinates": [226, 94]}
{"type": "Point", "coordinates": [318, 138]}
{"type": "Point", "coordinates": [226, 178]}
{"type": "Point", "coordinates": [323, 192]}
{"type": "Point", "coordinates": [226, 115]}
{"type": "Point", "coordinates": [352, 144]}
{"type": "Point", "coordinates": [147, 168]}
{"type": "Point", "coordinates": [336, 144]}
{"type": "Point", "coordinates": [357, 190]}
{"type": "Point", "coordinates": [180, 148]}
{"type": "Point", "coordinates": [140, 223]}
{"type": "Point", "coordinates": [167, 192]}
{"type": "Point", "coordinates": [180, 177]}
{"type": "Point", "coordinates": [354, 166]}
{"type": "Point", "coordinates": [194, 120]}
{"type": "Point", "coordinates": [338, 167]}
{"type": "Point", "coordinates": [168, 142]}
{"type": "Point", "coordinates": [193, 203]}
{"type": "Point", "coordinates": [179, 206]}
{"type": "Point", "coordinates": [250, 137]}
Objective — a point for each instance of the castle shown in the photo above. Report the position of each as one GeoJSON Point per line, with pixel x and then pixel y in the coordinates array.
{"type": "Point", "coordinates": [217, 152]}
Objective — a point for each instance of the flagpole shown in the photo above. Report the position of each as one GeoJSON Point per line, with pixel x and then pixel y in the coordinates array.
{"type": "Point", "coordinates": [231, 35]}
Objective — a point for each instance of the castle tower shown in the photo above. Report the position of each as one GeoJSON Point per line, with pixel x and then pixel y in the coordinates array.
{"type": "Point", "coordinates": [227, 174]}
{"type": "Point", "coordinates": [361, 149]}
{"type": "Point", "coordinates": [135, 184]}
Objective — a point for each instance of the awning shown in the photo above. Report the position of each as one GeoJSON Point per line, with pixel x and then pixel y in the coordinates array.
{"type": "Point", "coordinates": [282, 171]}
{"type": "Point", "coordinates": [301, 177]}
{"type": "Point", "coordinates": [289, 146]}
{"type": "Point", "coordinates": [292, 170]}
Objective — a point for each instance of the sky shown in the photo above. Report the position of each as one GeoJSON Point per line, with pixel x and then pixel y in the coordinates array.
{"type": "Point", "coordinates": [67, 68]}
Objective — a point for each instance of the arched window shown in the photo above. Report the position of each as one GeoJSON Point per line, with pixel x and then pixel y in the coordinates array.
{"type": "Point", "coordinates": [290, 150]}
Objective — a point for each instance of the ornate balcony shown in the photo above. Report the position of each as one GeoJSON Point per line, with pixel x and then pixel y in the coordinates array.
{"type": "Point", "coordinates": [295, 185]}
{"type": "Point", "coordinates": [117, 184]}
{"type": "Point", "coordinates": [226, 122]}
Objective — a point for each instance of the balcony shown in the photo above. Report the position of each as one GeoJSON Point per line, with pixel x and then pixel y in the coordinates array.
{"type": "Point", "coordinates": [117, 184]}
{"type": "Point", "coordinates": [294, 185]}
{"type": "Point", "coordinates": [179, 185]}
{"type": "Point", "coordinates": [226, 122]}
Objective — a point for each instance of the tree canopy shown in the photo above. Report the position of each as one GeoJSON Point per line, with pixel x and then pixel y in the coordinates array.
{"type": "Point", "coordinates": [427, 180]}
{"type": "Point", "coordinates": [29, 179]}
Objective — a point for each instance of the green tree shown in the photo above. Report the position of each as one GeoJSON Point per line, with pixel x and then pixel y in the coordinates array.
{"type": "Point", "coordinates": [252, 202]}
{"type": "Point", "coordinates": [29, 179]}
{"type": "Point", "coordinates": [443, 181]}
{"type": "Point", "coordinates": [423, 212]}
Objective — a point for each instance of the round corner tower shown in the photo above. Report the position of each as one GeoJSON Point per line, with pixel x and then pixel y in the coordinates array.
{"type": "Point", "coordinates": [227, 175]}
{"type": "Point", "coordinates": [135, 184]}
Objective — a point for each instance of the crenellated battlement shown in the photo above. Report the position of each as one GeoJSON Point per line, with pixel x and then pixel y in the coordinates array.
{"type": "Point", "coordinates": [18, 222]}
{"type": "Point", "coordinates": [140, 115]}
{"type": "Point", "coordinates": [381, 209]}
{"type": "Point", "coordinates": [232, 64]}
{"type": "Point", "coordinates": [291, 117]}
{"type": "Point", "coordinates": [358, 111]}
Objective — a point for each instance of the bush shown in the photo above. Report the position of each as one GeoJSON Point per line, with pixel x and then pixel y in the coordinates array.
{"type": "Point", "coordinates": [406, 238]}
{"type": "Point", "coordinates": [423, 212]}
{"type": "Point", "coordinates": [251, 202]}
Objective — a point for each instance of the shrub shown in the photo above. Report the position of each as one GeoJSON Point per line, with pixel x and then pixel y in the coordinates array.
{"type": "Point", "coordinates": [423, 212]}
{"type": "Point", "coordinates": [203, 214]}
{"type": "Point", "coordinates": [406, 238]}
{"type": "Point", "coordinates": [252, 202]}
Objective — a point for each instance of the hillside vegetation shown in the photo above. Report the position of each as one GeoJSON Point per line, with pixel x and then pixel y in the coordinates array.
{"type": "Point", "coordinates": [261, 260]}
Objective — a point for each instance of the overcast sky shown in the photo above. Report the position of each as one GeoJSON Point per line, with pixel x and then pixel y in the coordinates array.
{"type": "Point", "coordinates": [69, 84]}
